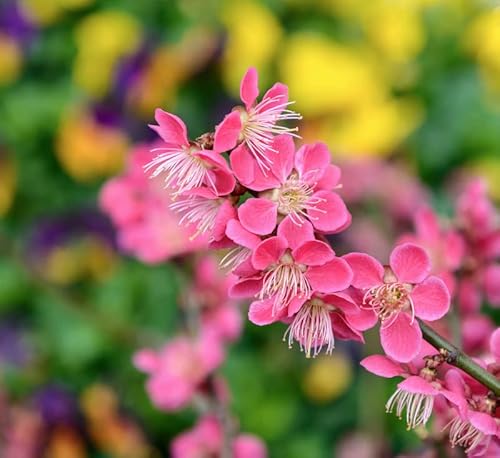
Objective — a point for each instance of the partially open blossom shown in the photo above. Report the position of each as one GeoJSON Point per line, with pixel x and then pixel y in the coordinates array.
{"type": "Point", "coordinates": [186, 165]}
{"type": "Point", "coordinates": [178, 369]}
{"type": "Point", "coordinates": [398, 294]}
{"type": "Point", "coordinates": [298, 184]}
{"type": "Point", "coordinates": [207, 439]}
{"type": "Point", "coordinates": [255, 124]}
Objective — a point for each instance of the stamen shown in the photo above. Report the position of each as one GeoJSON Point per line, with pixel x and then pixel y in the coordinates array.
{"type": "Point", "coordinates": [464, 434]}
{"type": "Point", "coordinates": [199, 211]}
{"type": "Point", "coordinates": [234, 257]}
{"type": "Point", "coordinates": [312, 328]}
{"type": "Point", "coordinates": [418, 407]}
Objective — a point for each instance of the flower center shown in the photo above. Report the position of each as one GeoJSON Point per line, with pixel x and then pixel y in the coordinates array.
{"type": "Point", "coordinates": [312, 328]}
{"type": "Point", "coordinates": [388, 300]}
{"type": "Point", "coordinates": [285, 281]}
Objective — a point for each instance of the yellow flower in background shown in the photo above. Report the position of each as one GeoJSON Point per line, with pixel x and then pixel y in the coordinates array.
{"type": "Point", "coordinates": [373, 130]}
{"type": "Point", "coordinates": [64, 442]}
{"type": "Point", "coordinates": [324, 76]}
{"type": "Point", "coordinates": [395, 30]}
{"type": "Point", "coordinates": [102, 39]}
{"type": "Point", "coordinates": [253, 36]}
{"type": "Point", "coordinates": [482, 39]}
{"type": "Point", "coordinates": [328, 377]}
{"type": "Point", "coordinates": [489, 168]}
{"type": "Point", "coordinates": [46, 12]}
{"type": "Point", "coordinates": [11, 60]}
{"type": "Point", "coordinates": [169, 67]}
{"type": "Point", "coordinates": [88, 150]}
{"type": "Point", "coordinates": [8, 179]}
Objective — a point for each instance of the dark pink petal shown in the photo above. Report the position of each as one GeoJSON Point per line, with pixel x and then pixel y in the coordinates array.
{"type": "Point", "coordinates": [258, 215]}
{"type": "Point", "coordinates": [484, 422]}
{"type": "Point", "coordinates": [227, 132]}
{"type": "Point", "coordinates": [246, 287]}
{"type": "Point", "coordinates": [330, 215]}
{"type": "Point", "coordinates": [401, 340]}
{"type": "Point", "coordinates": [238, 234]}
{"type": "Point", "coordinates": [295, 305]}
{"type": "Point", "coordinates": [418, 385]}
{"type": "Point", "coordinates": [334, 276]}
{"type": "Point", "coordinates": [382, 366]}
{"type": "Point", "coordinates": [261, 312]}
{"type": "Point", "coordinates": [342, 301]}
{"type": "Point", "coordinates": [221, 175]}
{"type": "Point", "coordinates": [277, 95]}
{"type": "Point", "coordinates": [363, 320]}
{"type": "Point", "coordinates": [294, 234]}
{"type": "Point", "coordinates": [491, 279]}
{"type": "Point", "coordinates": [342, 329]}
{"type": "Point", "coordinates": [330, 178]}
{"type": "Point", "coordinates": [245, 269]}
{"type": "Point", "coordinates": [458, 401]}
{"type": "Point", "coordinates": [469, 295]}
{"type": "Point", "coordinates": [495, 343]}
{"type": "Point", "coordinates": [368, 272]}
{"type": "Point", "coordinates": [268, 252]}
{"type": "Point", "coordinates": [311, 162]}
{"type": "Point", "coordinates": [226, 213]}
{"type": "Point", "coordinates": [454, 249]}
{"type": "Point", "coordinates": [313, 253]}
{"type": "Point", "coordinates": [170, 128]}
{"type": "Point", "coordinates": [249, 88]}
{"type": "Point", "coordinates": [410, 263]}
{"type": "Point", "coordinates": [431, 299]}
{"type": "Point", "coordinates": [283, 158]}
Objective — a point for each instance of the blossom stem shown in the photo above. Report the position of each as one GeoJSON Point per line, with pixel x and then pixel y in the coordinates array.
{"type": "Point", "coordinates": [459, 359]}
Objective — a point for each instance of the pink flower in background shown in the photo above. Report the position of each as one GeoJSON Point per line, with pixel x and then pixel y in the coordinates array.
{"type": "Point", "coordinates": [255, 124]}
{"type": "Point", "coordinates": [399, 293]}
{"type": "Point", "coordinates": [179, 369]}
{"type": "Point", "coordinates": [446, 248]}
{"type": "Point", "coordinates": [291, 266]}
{"type": "Point", "coordinates": [206, 440]}
{"type": "Point", "coordinates": [138, 207]}
{"type": "Point", "coordinates": [298, 184]}
{"type": "Point", "coordinates": [186, 165]}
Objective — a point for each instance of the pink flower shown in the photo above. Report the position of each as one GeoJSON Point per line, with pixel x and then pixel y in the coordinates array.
{"type": "Point", "coordinates": [146, 228]}
{"type": "Point", "coordinates": [255, 124]}
{"type": "Point", "coordinates": [206, 440]}
{"type": "Point", "coordinates": [398, 294]}
{"type": "Point", "coordinates": [186, 165]}
{"type": "Point", "coordinates": [317, 321]}
{"type": "Point", "coordinates": [446, 248]}
{"type": "Point", "coordinates": [415, 394]}
{"type": "Point", "coordinates": [298, 184]}
{"type": "Point", "coordinates": [292, 265]}
{"type": "Point", "coordinates": [179, 369]}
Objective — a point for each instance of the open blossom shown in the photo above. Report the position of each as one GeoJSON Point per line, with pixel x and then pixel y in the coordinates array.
{"type": "Point", "coordinates": [298, 184]}
{"type": "Point", "coordinates": [178, 369]}
{"type": "Point", "coordinates": [290, 266]}
{"type": "Point", "coordinates": [206, 440]}
{"type": "Point", "coordinates": [255, 124]}
{"type": "Point", "coordinates": [186, 165]}
{"type": "Point", "coordinates": [415, 395]}
{"type": "Point", "coordinates": [398, 294]}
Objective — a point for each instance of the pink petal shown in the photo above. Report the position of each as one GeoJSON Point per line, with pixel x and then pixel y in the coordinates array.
{"type": "Point", "coordinates": [238, 234]}
{"type": "Point", "coordinates": [278, 92]}
{"type": "Point", "coordinates": [283, 159]}
{"type": "Point", "coordinates": [146, 360]}
{"type": "Point", "coordinates": [492, 284]}
{"type": "Point", "coordinates": [221, 174]}
{"type": "Point", "coordinates": [246, 287]}
{"type": "Point", "coordinates": [331, 277]}
{"type": "Point", "coordinates": [249, 88]}
{"type": "Point", "coordinates": [484, 422]}
{"type": "Point", "coordinates": [227, 132]}
{"type": "Point", "coordinates": [330, 178]}
{"type": "Point", "coordinates": [261, 312]}
{"type": "Point", "coordinates": [410, 263]}
{"type": "Point", "coordinates": [313, 253]}
{"type": "Point", "coordinates": [401, 340]}
{"type": "Point", "coordinates": [248, 446]}
{"type": "Point", "coordinates": [170, 128]}
{"type": "Point", "coordinates": [295, 305]}
{"type": "Point", "coordinates": [295, 235]}
{"type": "Point", "coordinates": [382, 366]}
{"type": "Point", "coordinates": [170, 393]}
{"type": "Point", "coordinates": [427, 225]}
{"type": "Point", "coordinates": [367, 271]}
{"type": "Point", "coordinates": [495, 343]}
{"type": "Point", "coordinates": [343, 302]}
{"type": "Point", "coordinates": [431, 299]}
{"type": "Point", "coordinates": [311, 161]}
{"type": "Point", "coordinates": [269, 252]}
{"type": "Point", "coordinates": [454, 249]}
{"type": "Point", "coordinates": [418, 385]}
{"type": "Point", "coordinates": [330, 215]}
{"type": "Point", "coordinates": [363, 320]}
{"type": "Point", "coordinates": [226, 213]}
{"type": "Point", "coordinates": [342, 329]}
{"type": "Point", "coordinates": [258, 215]}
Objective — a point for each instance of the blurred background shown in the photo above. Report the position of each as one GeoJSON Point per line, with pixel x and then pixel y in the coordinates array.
{"type": "Point", "coordinates": [405, 93]}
